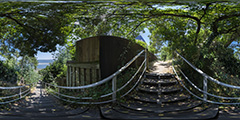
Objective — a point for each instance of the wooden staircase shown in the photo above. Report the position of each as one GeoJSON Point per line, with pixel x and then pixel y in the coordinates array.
{"type": "Point", "coordinates": [159, 97]}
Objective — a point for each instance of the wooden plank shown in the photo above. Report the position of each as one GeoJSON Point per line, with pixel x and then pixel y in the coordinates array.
{"type": "Point", "coordinates": [77, 76]}
{"type": "Point", "coordinates": [82, 76]}
{"type": "Point", "coordinates": [85, 65]}
{"type": "Point", "coordinates": [67, 75]}
{"type": "Point", "coordinates": [98, 75]}
{"type": "Point", "coordinates": [70, 78]}
{"type": "Point", "coordinates": [87, 50]}
{"type": "Point", "coordinates": [94, 75]}
{"type": "Point", "coordinates": [74, 76]}
{"type": "Point", "coordinates": [87, 81]}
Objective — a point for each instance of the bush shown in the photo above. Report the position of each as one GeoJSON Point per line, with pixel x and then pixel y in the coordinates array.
{"type": "Point", "coordinates": [8, 73]}
{"type": "Point", "coordinates": [22, 71]}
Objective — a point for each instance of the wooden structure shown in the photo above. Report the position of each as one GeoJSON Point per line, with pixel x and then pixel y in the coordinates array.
{"type": "Point", "coordinates": [100, 56]}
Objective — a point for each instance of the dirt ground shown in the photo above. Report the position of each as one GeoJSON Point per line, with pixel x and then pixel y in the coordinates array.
{"type": "Point", "coordinates": [161, 67]}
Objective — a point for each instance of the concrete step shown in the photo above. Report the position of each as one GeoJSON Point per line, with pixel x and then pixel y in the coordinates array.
{"type": "Point", "coordinates": [163, 82]}
{"type": "Point", "coordinates": [159, 98]}
{"type": "Point", "coordinates": [118, 112]}
{"type": "Point", "coordinates": [159, 76]}
{"type": "Point", "coordinates": [161, 108]}
{"type": "Point", "coordinates": [162, 89]}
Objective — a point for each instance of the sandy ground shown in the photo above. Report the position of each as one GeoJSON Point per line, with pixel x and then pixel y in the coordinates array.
{"type": "Point", "coordinates": [161, 67]}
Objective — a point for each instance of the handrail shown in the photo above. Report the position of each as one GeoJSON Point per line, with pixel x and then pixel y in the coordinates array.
{"type": "Point", "coordinates": [204, 74]}
{"type": "Point", "coordinates": [14, 87]}
{"type": "Point", "coordinates": [72, 97]}
{"type": "Point", "coordinates": [102, 102]}
{"type": "Point", "coordinates": [20, 95]}
{"type": "Point", "coordinates": [205, 100]}
{"type": "Point", "coordinates": [111, 77]}
{"type": "Point", "coordinates": [104, 80]}
{"type": "Point", "coordinates": [14, 99]}
{"type": "Point", "coordinates": [204, 91]}
{"type": "Point", "coordinates": [10, 96]}
{"type": "Point", "coordinates": [200, 90]}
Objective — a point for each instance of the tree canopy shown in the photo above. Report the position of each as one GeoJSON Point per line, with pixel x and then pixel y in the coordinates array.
{"type": "Point", "coordinates": [28, 27]}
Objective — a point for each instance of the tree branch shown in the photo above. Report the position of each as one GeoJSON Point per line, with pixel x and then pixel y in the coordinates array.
{"type": "Point", "coordinates": [138, 26]}
{"type": "Point", "coordinates": [205, 10]}
{"type": "Point", "coordinates": [191, 17]}
{"type": "Point", "coordinates": [15, 20]}
{"type": "Point", "coordinates": [233, 38]}
{"type": "Point", "coordinates": [214, 28]}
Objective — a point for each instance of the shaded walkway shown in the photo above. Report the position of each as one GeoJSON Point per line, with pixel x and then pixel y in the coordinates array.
{"type": "Point", "coordinates": [41, 106]}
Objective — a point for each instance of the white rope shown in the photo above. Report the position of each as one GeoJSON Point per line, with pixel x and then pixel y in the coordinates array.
{"type": "Point", "coordinates": [101, 82]}
{"type": "Point", "coordinates": [210, 78]}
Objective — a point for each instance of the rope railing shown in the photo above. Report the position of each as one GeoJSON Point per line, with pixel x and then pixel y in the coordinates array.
{"type": "Point", "coordinates": [112, 77]}
{"type": "Point", "coordinates": [19, 95]}
{"type": "Point", "coordinates": [204, 91]}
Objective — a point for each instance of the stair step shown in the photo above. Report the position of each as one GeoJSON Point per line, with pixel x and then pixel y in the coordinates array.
{"type": "Point", "coordinates": [163, 98]}
{"type": "Point", "coordinates": [163, 89]}
{"type": "Point", "coordinates": [163, 82]}
{"type": "Point", "coordinates": [160, 108]}
{"type": "Point", "coordinates": [159, 76]}
{"type": "Point", "coordinates": [46, 114]}
{"type": "Point", "coordinates": [39, 108]}
{"type": "Point", "coordinates": [123, 113]}
{"type": "Point", "coordinates": [92, 113]}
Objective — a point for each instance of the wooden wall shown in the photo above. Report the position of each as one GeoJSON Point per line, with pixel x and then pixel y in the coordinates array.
{"type": "Point", "coordinates": [87, 50]}
{"type": "Point", "coordinates": [106, 51]}
{"type": "Point", "coordinates": [111, 49]}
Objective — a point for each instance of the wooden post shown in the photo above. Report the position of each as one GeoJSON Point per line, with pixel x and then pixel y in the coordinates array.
{"type": "Point", "coordinates": [70, 80]}
{"type": "Point", "coordinates": [67, 74]}
{"type": "Point", "coordinates": [114, 88]}
{"type": "Point", "coordinates": [94, 75]}
{"type": "Point", "coordinates": [77, 76]}
{"type": "Point", "coordinates": [205, 82]}
{"type": "Point", "coordinates": [87, 75]}
{"type": "Point", "coordinates": [20, 93]}
{"type": "Point", "coordinates": [82, 78]}
{"type": "Point", "coordinates": [58, 92]}
{"type": "Point", "coordinates": [74, 76]}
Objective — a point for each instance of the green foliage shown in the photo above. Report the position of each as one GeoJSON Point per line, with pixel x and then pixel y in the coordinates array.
{"type": "Point", "coordinates": [30, 27]}
{"type": "Point", "coordinates": [143, 44]}
{"type": "Point", "coordinates": [27, 70]}
{"type": "Point", "coordinates": [57, 69]}
{"type": "Point", "coordinates": [164, 53]}
{"type": "Point", "coordinates": [8, 73]}
{"type": "Point", "coordinates": [22, 71]}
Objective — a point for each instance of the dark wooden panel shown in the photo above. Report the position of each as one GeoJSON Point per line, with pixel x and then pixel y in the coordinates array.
{"type": "Point", "coordinates": [116, 52]}
{"type": "Point", "coordinates": [110, 52]}
{"type": "Point", "coordinates": [87, 50]}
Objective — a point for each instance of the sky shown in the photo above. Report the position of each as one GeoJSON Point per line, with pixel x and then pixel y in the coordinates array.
{"type": "Point", "coordinates": [47, 55]}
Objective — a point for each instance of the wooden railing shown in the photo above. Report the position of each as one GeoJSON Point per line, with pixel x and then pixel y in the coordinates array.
{"type": "Point", "coordinates": [79, 74]}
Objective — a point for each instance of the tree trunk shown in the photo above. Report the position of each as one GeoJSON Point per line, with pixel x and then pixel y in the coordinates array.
{"type": "Point", "coordinates": [210, 39]}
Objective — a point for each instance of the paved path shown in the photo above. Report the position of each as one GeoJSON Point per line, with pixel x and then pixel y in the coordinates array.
{"type": "Point", "coordinates": [40, 105]}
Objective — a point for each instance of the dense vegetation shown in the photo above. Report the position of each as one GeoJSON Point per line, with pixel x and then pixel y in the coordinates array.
{"type": "Point", "coordinates": [15, 72]}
